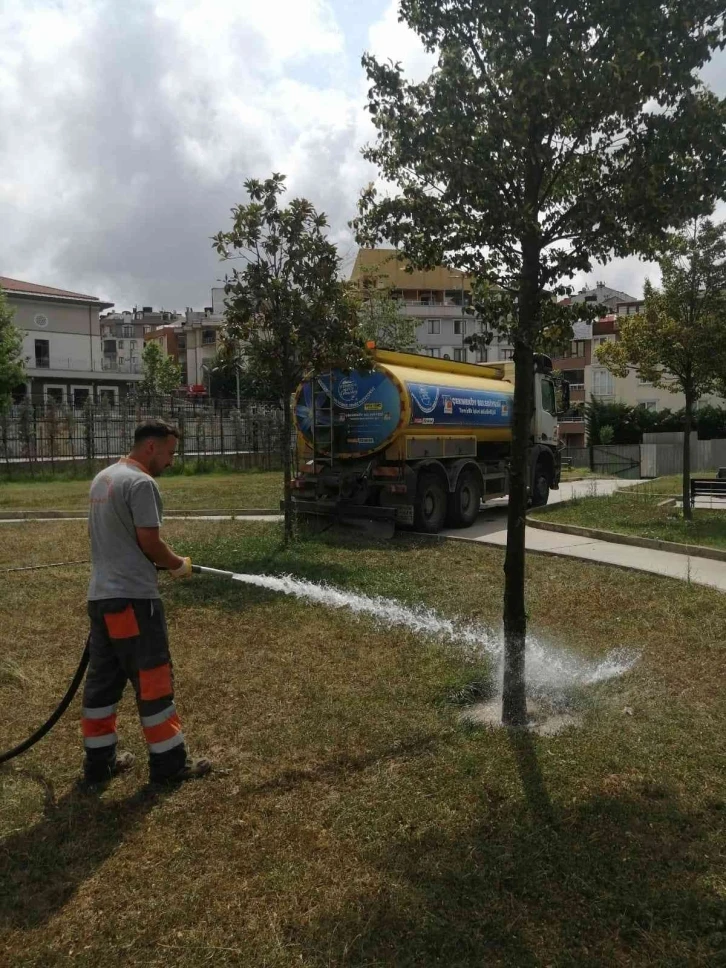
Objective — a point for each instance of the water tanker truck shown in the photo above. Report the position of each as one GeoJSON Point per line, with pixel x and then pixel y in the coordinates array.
{"type": "Point", "coordinates": [417, 440]}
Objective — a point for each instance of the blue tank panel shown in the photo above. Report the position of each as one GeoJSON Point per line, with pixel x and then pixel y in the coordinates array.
{"type": "Point", "coordinates": [438, 405]}
{"type": "Point", "coordinates": [366, 410]}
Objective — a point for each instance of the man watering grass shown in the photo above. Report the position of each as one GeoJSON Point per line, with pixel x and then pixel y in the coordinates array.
{"type": "Point", "coordinates": [128, 639]}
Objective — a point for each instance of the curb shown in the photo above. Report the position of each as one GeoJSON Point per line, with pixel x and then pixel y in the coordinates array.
{"type": "Point", "coordinates": [80, 514]}
{"type": "Point", "coordinates": [692, 551]}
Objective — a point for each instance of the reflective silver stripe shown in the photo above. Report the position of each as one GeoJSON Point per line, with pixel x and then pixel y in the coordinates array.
{"type": "Point", "coordinates": [99, 712]}
{"type": "Point", "coordinates": [96, 742]}
{"type": "Point", "coordinates": [168, 744]}
{"type": "Point", "coordinates": [158, 717]}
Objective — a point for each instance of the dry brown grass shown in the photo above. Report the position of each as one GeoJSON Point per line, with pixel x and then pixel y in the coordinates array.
{"type": "Point", "coordinates": [356, 822]}
{"type": "Point", "coordinates": [244, 489]}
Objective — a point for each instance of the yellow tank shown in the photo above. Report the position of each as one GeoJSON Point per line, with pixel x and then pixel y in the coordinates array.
{"type": "Point", "coordinates": [405, 398]}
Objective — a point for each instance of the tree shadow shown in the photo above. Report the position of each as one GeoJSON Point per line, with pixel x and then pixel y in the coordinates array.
{"type": "Point", "coordinates": [616, 879]}
{"type": "Point", "coordinates": [43, 866]}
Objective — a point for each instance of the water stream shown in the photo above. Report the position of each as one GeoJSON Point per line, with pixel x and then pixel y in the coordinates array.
{"type": "Point", "coordinates": [550, 671]}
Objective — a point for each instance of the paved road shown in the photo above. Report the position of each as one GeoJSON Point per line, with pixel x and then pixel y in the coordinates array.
{"type": "Point", "coordinates": [491, 528]}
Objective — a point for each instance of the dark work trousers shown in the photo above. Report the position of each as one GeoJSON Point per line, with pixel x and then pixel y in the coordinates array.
{"type": "Point", "coordinates": [129, 641]}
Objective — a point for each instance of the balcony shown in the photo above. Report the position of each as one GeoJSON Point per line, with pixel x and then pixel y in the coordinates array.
{"type": "Point", "coordinates": [121, 366]}
{"type": "Point", "coordinates": [65, 365]}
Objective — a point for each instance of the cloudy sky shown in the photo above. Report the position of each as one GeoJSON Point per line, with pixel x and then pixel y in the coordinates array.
{"type": "Point", "coordinates": [128, 126]}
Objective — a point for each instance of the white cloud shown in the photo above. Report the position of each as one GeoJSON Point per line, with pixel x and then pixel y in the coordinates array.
{"type": "Point", "coordinates": [127, 129]}
{"type": "Point", "coordinates": [393, 40]}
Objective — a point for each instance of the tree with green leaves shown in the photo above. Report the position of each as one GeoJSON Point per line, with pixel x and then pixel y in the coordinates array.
{"type": "Point", "coordinates": [162, 374]}
{"type": "Point", "coordinates": [381, 320]}
{"type": "Point", "coordinates": [678, 342]}
{"type": "Point", "coordinates": [549, 135]}
{"type": "Point", "coordinates": [12, 367]}
{"type": "Point", "coordinates": [287, 304]}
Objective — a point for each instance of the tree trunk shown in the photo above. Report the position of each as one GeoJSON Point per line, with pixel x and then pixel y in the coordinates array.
{"type": "Point", "coordinates": [687, 509]}
{"type": "Point", "coordinates": [514, 700]}
{"type": "Point", "coordinates": [287, 434]}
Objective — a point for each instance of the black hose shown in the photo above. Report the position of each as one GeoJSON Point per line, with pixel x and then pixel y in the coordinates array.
{"type": "Point", "coordinates": [59, 710]}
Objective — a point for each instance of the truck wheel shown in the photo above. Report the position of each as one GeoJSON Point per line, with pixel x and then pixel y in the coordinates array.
{"type": "Point", "coordinates": [540, 486]}
{"type": "Point", "coordinates": [430, 508]}
{"type": "Point", "coordinates": [464, 502]}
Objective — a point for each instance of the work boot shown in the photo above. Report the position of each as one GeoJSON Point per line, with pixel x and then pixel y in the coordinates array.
{"type": "Point", "coordinates": [193, 769]}
{"type": "Point", "coordinates": [123, 763]}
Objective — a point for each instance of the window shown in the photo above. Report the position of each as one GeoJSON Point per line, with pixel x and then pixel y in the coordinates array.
{"type": "Point", "coordinates": [644, 383]}
{"type": "Point", "coordinates": [120, 344]}
{"type": "Point", "coordinates": [507, 354]}
{"type": "Point", "coordinates": [599, 340]}
{"type": "Point", "coordinates": [460, 356]}
{"type": "Point", "coordinates": [80, 395]}
{"type": "Point", "coordinates": [42, 353]}
{"type": "Point", "coordinates": [128, 331]}
{"type": "Point", "coordinates": [548, 397]}
{"type": "Point", "coordinates": [434, 327]}
{"type": "Point", "coordinates": [576, 348]}
{"type": "Point", "coordinates": [208, 336]}
{"type": "Point", "coordinates": [648, 404]}
{"type": "Point", "coordinates": [481, 355]}
{"type": "Point", "coordinates": [433, 351]}
{"type": "Point", "coordinates": [181, 342]}
{"type": "Point", "coordinates": [427, 298]}
{"type": "Point", "coordinates": [108, 396]}
{"type": "Point", "coordinates": [459, 327]}
{"type": "Point", "coordinates": [603, 383]}
{"type": "Point", "coordinates": [133, 343]}
{"type": "Point", "coordinates": [55, 395]}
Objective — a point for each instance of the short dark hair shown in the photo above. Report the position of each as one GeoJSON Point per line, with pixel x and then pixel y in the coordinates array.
{"type": "Point", "coordinates": [153, 427]}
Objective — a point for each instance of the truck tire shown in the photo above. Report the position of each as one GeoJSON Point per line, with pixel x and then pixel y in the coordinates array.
{"type": "Point", "coordinates": [464, 502]}
{"type": "Point", "coordinates": [430, 507]}
{"type": "Point", "coordinates": [540, 486]}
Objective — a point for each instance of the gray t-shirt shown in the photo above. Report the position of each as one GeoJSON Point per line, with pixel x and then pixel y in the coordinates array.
{"type": "Point", "coordinates": [123, 497]}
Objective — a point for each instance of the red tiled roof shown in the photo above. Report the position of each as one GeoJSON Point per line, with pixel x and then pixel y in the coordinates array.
{"type": "Point", "coordinates": [15, 285]}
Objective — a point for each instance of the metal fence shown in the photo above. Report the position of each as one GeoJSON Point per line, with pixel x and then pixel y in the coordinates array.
{"type": "Point", "coordinates": [619, 460]}
{"type": "Point", "coordinates": [50, 437]}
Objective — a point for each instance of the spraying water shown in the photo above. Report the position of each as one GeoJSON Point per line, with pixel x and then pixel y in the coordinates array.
{"type": "Point", "coordinates": [550, 671]}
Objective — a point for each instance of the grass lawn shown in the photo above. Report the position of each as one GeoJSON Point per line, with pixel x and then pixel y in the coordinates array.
{"type": "Point", "coordinates": [670, 486]}
{"type": "Point", "coordinates": [579, 474]}
{"type": "Point", "coordinates": [356, 822]}
{"type": "Point", "coordinates": [635, 511]}
{"type": "Point", "coordinates": [244, 489]}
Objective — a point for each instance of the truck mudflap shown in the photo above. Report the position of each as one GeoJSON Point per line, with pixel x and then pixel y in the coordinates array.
{"type": "Point", "coordinates": [380, 521]}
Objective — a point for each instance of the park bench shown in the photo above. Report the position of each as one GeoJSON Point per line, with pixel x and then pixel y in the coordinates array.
{"type": "Point", "coordinates": [708, 487]}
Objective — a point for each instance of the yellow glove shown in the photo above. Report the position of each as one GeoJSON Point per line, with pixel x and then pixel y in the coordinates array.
{"type": "Point", "coordinates": [184, 570]}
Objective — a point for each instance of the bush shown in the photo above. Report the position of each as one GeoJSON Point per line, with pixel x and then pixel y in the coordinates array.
{"type": "Point", "coordinates": [628, 424]}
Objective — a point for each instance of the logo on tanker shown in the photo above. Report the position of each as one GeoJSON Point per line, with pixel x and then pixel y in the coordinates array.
{"type": "Point", "coordinates": [348, 390]}
{"type": "Point", "coordinates": [426, 397]}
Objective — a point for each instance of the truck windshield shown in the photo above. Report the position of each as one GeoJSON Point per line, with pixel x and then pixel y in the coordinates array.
{"type": "Point", "coordinates": [548, 397]}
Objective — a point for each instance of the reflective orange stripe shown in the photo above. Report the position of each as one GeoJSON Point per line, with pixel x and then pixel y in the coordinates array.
{"type": "Point", "coordinates": [166, 730]}
{"type": "Point", "coordinates": [99, 727]}
{"type": "Point", "coordinates": [155, 683]}
{"type": "Point", "coordinates": [122, 625]}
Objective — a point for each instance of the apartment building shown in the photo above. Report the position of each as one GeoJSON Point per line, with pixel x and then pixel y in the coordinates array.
{"type": "Point", "coordinates": [62, 346]}
{"type": "Point", "coordinates": [435, 300]}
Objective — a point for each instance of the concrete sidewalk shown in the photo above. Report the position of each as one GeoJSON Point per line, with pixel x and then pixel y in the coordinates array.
{"type": "Point", "coordinates": [491, 528]}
